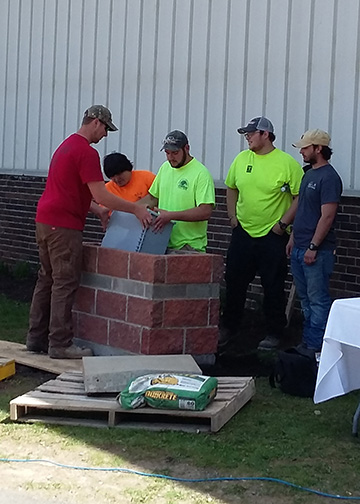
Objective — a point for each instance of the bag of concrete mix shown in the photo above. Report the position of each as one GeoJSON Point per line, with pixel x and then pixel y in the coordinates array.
{"type": "Point", "coordinates": [169, 391]}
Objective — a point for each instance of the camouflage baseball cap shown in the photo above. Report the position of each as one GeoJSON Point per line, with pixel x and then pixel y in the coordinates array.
{"type": "Point", "coordinates": [174, 141]}
{"type": "Point", "coordinates": [103, 114]}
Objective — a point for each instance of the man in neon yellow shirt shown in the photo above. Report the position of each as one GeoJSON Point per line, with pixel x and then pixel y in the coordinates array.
{"type": "Point", "coordinates": [183, 191]}
{"type": "Point", "coordinates": [262, 191]}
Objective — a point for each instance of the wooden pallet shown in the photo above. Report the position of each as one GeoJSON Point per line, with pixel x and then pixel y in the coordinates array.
{"type": "Point", "coordinates": [63, 401]}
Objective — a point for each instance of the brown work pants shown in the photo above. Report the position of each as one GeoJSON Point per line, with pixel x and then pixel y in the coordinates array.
{"type": "Point", "coordinates": [60, 254]}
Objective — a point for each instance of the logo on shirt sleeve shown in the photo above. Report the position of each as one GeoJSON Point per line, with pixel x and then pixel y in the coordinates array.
{"type": "Point", "coordinates": [285, 187]}
{"type": "Point", "coordinates": [249, 168]}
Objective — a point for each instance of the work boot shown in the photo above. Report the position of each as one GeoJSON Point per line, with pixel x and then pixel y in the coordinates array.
{"type": "Point", "coordinates": [71, 352]}
{"type": "Point", "coordinates": [227, 336]}
{"type": "Point", "coordinates": [37, 344]}
{"type": "Point", "coordinates": [228, 343]}
{"type": "Point", "coordinates": [269, 343]}
{"type": "Point", "coordinates": [37, 348]}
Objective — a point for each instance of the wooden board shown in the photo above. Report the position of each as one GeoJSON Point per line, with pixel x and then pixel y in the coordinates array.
{"type": "Point", "coordinates": [18, 352]}
{"type": "Point", "coordinates": [63, 401]}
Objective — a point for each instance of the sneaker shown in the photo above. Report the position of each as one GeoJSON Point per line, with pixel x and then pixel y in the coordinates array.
{"type": "Point", "coordinates": [71, 352]}
{"type": "Point", "coordinates": [269, 343]}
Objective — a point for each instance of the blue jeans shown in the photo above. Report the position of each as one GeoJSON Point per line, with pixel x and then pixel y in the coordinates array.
{"type": "Point", "coordinates": [312, 287]}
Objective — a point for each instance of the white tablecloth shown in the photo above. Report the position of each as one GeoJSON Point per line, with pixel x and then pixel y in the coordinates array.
{"type": "Point", "coordinates": [339, 366]}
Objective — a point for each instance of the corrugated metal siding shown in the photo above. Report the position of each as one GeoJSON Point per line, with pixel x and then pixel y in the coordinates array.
{"type": "Point", "coordinates": [203, 66]}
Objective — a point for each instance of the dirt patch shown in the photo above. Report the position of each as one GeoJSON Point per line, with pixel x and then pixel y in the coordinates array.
{"type": "Point", "coordinates": [48, 483]}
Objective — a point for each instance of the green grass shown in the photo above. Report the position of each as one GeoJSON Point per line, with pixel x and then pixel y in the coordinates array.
{"type": "Point", "coordinates": [13, 319]}
{"type": "Point", "coordinates": [19, 270]}
{"type": "Point", "coordinates": [275, 435]}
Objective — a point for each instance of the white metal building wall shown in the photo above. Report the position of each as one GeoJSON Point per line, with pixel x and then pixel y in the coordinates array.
{"type": "Point", "coordinates": [203, 66]}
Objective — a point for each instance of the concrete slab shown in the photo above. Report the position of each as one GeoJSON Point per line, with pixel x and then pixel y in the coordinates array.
{"type": "Point", "coordinates": [112, 373]}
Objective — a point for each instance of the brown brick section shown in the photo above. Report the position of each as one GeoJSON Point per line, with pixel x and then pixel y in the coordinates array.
{"type": "Point", "coordinates": [19, 196]}
{"type": "Point", "coordinates": [113, 262]}
{"type": "Point", "coordinates": [199, 340]}
{"type": "Point", "coordinates": [144, 268]}
{"type": "Point", "coordinates": [160, 304]}
{"type": "Point", "coordinates": [108, 304]}
{"type": "Point", "coordinates": [125, 336]}
{"type": "Point", "coordinates": [91, 327]}
{"type": "Point", "coordinates": [163, 341]}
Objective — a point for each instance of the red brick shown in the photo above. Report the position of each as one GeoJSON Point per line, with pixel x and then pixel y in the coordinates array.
{"type": "Point", "coordinates": [188, 268]}
{"type": "Point", "coordinates": [218, 268]}
{"type": "Point", "coordinates": [162, 341]}
{"type": "Point", "coordinates": [113, 262]}
{"type": "Point", "coordinates": [147, 267]}
{"type": "Point", "coordinates": [201, 340]}
{"type": "Point", "coordinates": [214, 311]}
{"type": "Point", "coordinates": [111, 305]}
{"type": "Point", "coordinates": [90, 255]}
{"type": "Point", "coordinates": [85, 300]}
{"type": "Point", "coordinates": [92, 328]}
{"type": "Point", "coordinates": [145, 312]}
{"type": "Point", "coordinates": [125, 336]}
{"type": "Point", "coordinates": [185, 313]}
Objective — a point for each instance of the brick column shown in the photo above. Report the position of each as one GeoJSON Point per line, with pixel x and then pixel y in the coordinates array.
{"type": "Point", "coordinates": [149, 304]}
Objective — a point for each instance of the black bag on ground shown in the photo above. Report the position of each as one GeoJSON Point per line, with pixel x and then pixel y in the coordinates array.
{"type": "Point", "coordinates": [295, 372]}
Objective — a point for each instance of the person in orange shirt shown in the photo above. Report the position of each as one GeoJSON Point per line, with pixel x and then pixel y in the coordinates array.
{"type": "Point", "coordinates": [124, 182]}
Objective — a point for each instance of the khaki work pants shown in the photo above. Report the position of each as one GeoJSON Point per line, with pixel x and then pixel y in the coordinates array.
{"type": "Point", "coordinates": [60, 254]}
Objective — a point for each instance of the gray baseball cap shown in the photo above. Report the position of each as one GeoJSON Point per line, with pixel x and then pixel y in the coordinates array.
{"type": "Point", "coordinates": [257, 124]}
{"type": "Point", "coordinates": [103, 114]}
{"type": "Point", "coordinates": [174, 141]}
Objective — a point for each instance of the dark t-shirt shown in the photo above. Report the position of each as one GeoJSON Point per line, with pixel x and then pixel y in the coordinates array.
{"type": "Point", "coordinates": [318, 187]}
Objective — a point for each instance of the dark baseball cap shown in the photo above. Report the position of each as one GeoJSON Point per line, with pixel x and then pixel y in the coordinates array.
{"type": "Point", "coordinates": [257, 124]}
{"type": "Point", "coordinates": [174, 141]}
{"type": "Point", "coordinates": [103, 114]}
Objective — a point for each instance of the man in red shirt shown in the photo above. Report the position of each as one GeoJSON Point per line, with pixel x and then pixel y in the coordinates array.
{"type": "Point", "coordinates": [74, 186]}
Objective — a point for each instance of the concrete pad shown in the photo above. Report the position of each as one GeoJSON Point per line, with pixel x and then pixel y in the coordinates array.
{"type": "Point", "coordinates": [112, 374]}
